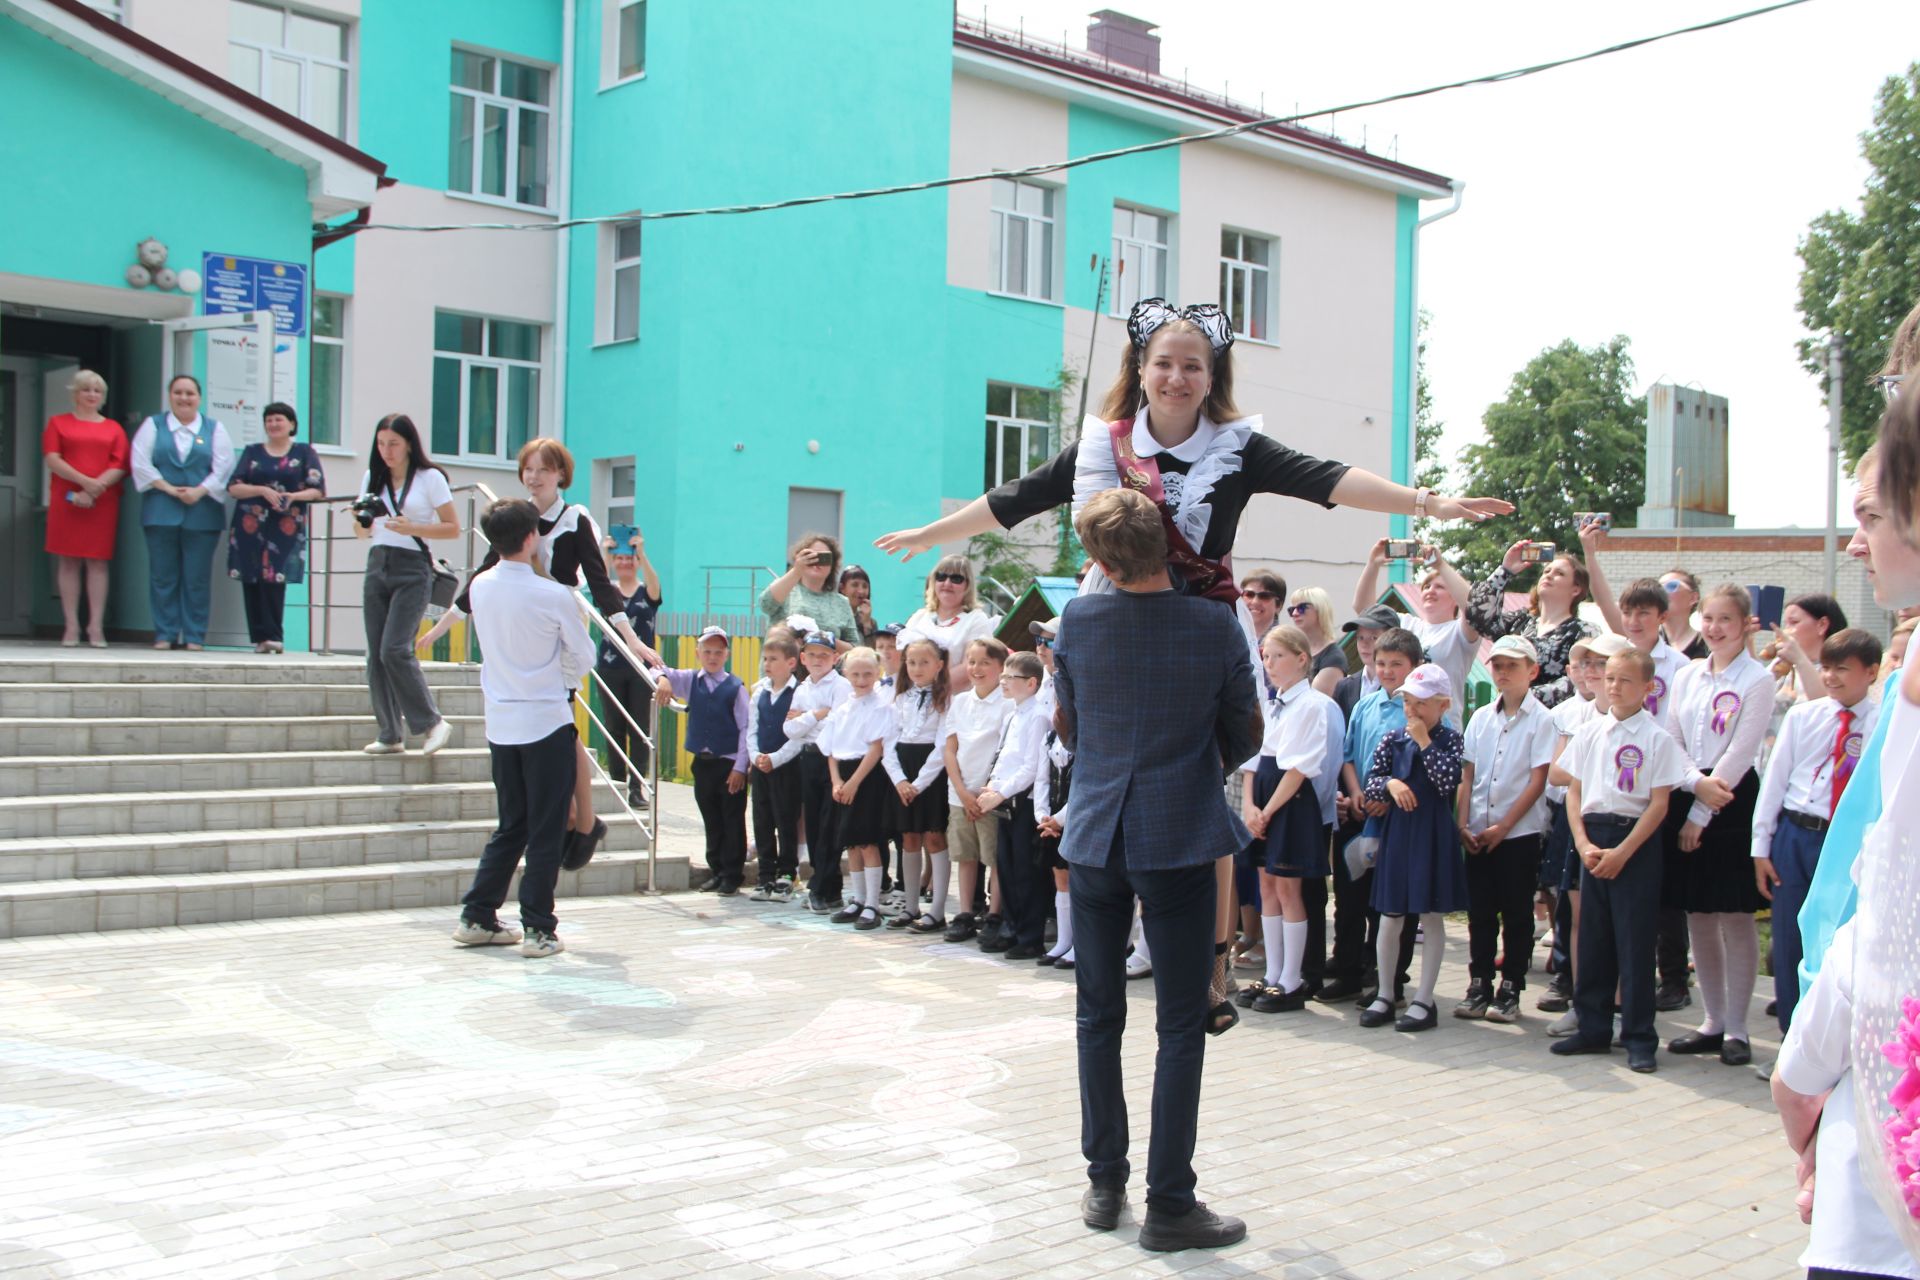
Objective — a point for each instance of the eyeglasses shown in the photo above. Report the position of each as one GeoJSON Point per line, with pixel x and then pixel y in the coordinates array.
{"type": "Point", "coordinates": [1298, 610]}
{"type": "Point", "coordinates": [959, 578]}
{"type": "Point", "coordinates": [1889, 383]}
{"type": "Point", "coordinates": [1259, 595]}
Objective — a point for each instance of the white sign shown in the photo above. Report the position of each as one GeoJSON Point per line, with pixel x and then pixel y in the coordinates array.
{"type": "Point", "coordinates": [236, 394]}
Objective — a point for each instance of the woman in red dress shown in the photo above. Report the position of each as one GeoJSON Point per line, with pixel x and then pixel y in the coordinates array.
{"type": "Point", "coordinates": [88, 457]}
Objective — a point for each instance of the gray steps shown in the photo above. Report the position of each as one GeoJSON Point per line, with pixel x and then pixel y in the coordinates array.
{"type": "Point", "coordinates": [144, 701]}
{"type": "Point", "coordinates": [183, 668]}
{"type": "Point", "coordinates": [143, 902]}
{"type": "Point", "coordinates": [196, 735]}
{"type": "Point", "coordinates": [274, 772]}
{"type": "Point", "coordinates": [101, 814]}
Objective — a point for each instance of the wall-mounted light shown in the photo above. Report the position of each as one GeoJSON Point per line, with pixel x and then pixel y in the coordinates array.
{"type": "Point", "coordinates": [813, 446]}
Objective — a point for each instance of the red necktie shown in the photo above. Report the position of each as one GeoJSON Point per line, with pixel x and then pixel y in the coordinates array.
{"type": "Point", "coordinates": [1843, 760]}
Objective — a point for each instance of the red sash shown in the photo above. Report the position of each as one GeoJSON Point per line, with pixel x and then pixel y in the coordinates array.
{"type": "Point", "coordinates": [1203, 577]}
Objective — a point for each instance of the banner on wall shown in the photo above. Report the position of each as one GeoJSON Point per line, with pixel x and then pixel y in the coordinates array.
{"type": "Point", "coordinates": [231, 284]}
{"type": "Point", "coordinates": [236, 394]}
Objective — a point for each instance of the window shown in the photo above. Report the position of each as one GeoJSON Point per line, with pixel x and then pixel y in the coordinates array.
{"type": "Point", "coordinates": [619, 299]}
{"type": "Point", "coordinates": [620, 492]}
{"type": "Point", "coordinates": [1019, 431]}
{"type": "Point", "coordinates": [623, 40]}
{"type": "Point", "coordinates": [497, 132]}
{"type": "Point", "coordinates": [115, 9]}
{"type": "Point", "coordinates": [1246, 284]}
{"type": "Point", "coordinates": [326, 391]}
{"type": "Point", "coordinates": [1023, 222]}
{"type": "Point", "coordinates": [813, 511]}
{"type": "Point", "coordinates": [486, 386]}
{"type": "Point", "coordinates": [296, 62]}
{"type": "Point", "coordinates": [1139, 257]}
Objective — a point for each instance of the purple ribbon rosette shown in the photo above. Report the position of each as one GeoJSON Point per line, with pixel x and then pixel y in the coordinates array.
{"type": "Point", "coordinates": [1886, 1025]}
{"type": "Point", "coordinates": [1628, 760]}
{"type": "Point", "coordinates": [1658, 692]}
{"type": "Point", "coordinates": [1725, 707]}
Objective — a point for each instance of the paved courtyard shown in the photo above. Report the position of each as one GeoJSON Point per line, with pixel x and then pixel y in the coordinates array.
{"type": "Point", "coordinates": [713, 1087]}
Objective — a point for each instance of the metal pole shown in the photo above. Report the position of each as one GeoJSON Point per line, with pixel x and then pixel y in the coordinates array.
{"type": "Point", "coordinates": [326, 602]}
{"type": "Point", "coordinates": [1831, 537]}
{"type": "Point", "coordinates": [653, 794]}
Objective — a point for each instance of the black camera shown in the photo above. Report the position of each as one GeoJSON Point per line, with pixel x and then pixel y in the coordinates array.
{"type": "Point", "coordinates": [366, 507]}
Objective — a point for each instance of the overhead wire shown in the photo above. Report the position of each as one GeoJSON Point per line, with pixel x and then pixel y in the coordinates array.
{"type": "Point", "coordinates": [1058, 166]}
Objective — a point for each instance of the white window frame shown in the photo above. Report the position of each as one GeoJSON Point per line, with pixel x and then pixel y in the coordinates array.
{"type": "Point", "coordinates": [606, 290]}
{"type": "Point", "coordinates": [306, 61]}
{"type": "Point", "coordinates": [1150, 253]}
{"type": "Point", "coordinates": [620, 508]}
{"type": "Point", "coordinates": [611, 12]}
{"type": "Point", "coordinates": [502, 365]}
{"type": "Point", "coordinates": [1043, 274]}
{"type": "Point", "coordinates": [115, 9]}
{"type": "Point", "coordinates": [344, 445]}
{"type": "Point", "coordinates": [478, 100]}
{"type": "Point", "coordinates": [1027, 428]}
{"type": "Point", "coordinates": [1239, 273]}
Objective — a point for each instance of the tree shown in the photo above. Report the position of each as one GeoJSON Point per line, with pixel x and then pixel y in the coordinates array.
{"type": "Point", "coordinates": [1429, 470]}
{"type": "Point", "coordinates": [1861, 274]}
{"type": "Point", "coordinates": [1570, 436]}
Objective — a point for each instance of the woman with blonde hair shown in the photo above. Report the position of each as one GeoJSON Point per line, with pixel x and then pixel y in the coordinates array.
{"type": "Point", "coordinates": [952, 618]}
{"type": "Point", "coordinates": [1311, 610]}
{"type": "Point", "coordinates": [88, 455]}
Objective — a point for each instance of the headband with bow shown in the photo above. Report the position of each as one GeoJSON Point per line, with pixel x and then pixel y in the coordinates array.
{"type": "Point", "coordinates": [1150, 313]}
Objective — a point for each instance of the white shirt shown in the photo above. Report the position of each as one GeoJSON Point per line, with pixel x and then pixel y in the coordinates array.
{"type": "Point", "coordinates": [536, 649]}
{"type": "Point", "coordinates": [1300, 734]}
{"type": "Point", "coordinates": [1620, 762]}
{"type": "Point", "coordinates": [1023, 750]}
{"type": "Point", "coordinates": [952, 637]}
{"type": "Point", "coordinates": [140, 453]}
{"type": "Point", "coordinates": [812, 695]}
{"type": "Point", "coordinates": [1720, 720]}
{"type": "Point", "coordinates": [791, 747]}
{"type": "Point", "coordinates": [855, 725]}
{"type": "Point", "coordinates": [885, 687]}
{"type": "Point", "coordinates": [976, 722]}
{"type": "Point", "coordinates": [1447, 648]}
{"type": "Point", "coordinates": [1504, 751]}
{"type": "Point", "coordinates": [1567, 719]}
{"type": "Point", "coordinates": [917, 722]}
{"type": "Point", "coordinates": [1799, 776]}
{"type": "Point", "coordinates": [426, 492]}
{"type": "Point", "coordinates": [1668, 663]}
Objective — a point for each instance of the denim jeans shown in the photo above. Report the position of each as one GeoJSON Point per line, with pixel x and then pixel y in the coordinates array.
{"type": "Point", "coordinates": [393, 599]}
{"type": "Point", "coordinates": [533, 787]}
{"type": "Point", "coordinates": [1795, 853]}
{"type": "Point", "coordinates": [1177, 909]}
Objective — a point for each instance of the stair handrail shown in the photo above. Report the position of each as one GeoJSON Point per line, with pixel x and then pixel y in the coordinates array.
{"type": "Point", "coordinates": [650, 735]}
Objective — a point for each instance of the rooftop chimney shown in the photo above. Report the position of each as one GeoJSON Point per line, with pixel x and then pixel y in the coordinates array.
{"type": "Point", "coordinates": [1127, 41]}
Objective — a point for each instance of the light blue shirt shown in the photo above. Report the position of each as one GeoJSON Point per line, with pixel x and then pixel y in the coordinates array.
{"type": "Point", "coordinates": [1374, 717]}
{"type": "Point", "coordinates": [1833, 896]}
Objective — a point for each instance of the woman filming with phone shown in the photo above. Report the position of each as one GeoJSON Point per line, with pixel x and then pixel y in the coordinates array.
{"type": "Point", "coordinates": [1551, 622]}
{"type": "Point", "coordinates": [808, 588]}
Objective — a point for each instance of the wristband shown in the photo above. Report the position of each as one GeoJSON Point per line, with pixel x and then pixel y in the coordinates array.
{"type": "Point", "coordinates": [1420, 502]}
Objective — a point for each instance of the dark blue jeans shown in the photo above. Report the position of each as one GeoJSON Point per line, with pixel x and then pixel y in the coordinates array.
{"type": "Point", "coordinates": [1795, 853]}
{"type": "Point", "coordinates": [1177, 913]}
{"type": "Point", "coordinates": [533, 787]}
{"type": "Point", "coordinates": [1619, 920]}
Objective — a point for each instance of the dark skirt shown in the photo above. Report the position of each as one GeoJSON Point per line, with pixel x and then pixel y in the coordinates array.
{"type": "Point", "coordinates": [869, 819]}
{"type": "Point", "coordinates": [1296, 842]}
{"type": "Point", "coordinates": [1049, 848]}
{"type": "Point", "coordinates": [1719, 874]}
{"type": "Point", "coordinates": [1420, 867]}
{"type": "Point", "coordinates": [928, 812]}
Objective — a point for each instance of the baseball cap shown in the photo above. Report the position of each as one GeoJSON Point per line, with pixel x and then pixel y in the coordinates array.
{"type": "Point", "coordinates": [1606, 644]}
{"type": "Point", "coordinates": [1378, 618]}
{"type": "Point", "coordinates": [1515, 647]}
{"type": "Point", "coordinates": [1428, 680]}
{"type": "Point", "coordinates": [818, 639]}
{"type": "Point", "coordinates": [715, 633]}
{"type": "Point", "coordinates": [1044, 630]}
{"type": "Point", "coordinates": [892, 629]}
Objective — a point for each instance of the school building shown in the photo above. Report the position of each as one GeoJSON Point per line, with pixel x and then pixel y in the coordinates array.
{"type": "Point", "coordinates": [725, 381]}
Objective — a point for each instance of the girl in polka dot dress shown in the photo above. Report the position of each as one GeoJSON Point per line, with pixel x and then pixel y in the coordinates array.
{"type": "Point", "coordinates": [1420, 870]}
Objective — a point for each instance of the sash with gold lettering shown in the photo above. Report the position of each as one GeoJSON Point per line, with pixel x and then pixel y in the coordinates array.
{"type": "Point", "coordinates": [1203, 577]}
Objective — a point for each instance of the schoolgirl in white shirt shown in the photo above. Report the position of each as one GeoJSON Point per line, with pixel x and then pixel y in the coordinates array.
{"type": "Point", "coordinates": [916, 764]}
{"type": "Point", "coordinates": [1722, 706]}
{"type": "Point", "coordinates": [853, 738]}
{"type": "Point", "coordinates": [822, 691]}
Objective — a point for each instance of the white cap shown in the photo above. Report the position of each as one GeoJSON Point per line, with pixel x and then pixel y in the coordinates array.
{"type": "Point", "coordinates": [1514, 647]}
{"type": "Point", "coordinates": [1606, 644]}
{"type": "Point", "coordinates": [1429, 680]}
{"type": "Point", "coordinates": [715, 633]}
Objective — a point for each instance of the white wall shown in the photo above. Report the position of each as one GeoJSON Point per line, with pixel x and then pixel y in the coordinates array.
{"type": "Point", "coordinates": [993, 126]}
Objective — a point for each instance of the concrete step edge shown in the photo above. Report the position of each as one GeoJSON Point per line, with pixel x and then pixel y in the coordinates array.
{"type": "Point", "coordinates": [36, 890]}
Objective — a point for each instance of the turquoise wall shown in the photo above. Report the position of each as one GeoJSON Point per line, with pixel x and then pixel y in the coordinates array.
{"type": "Point", "coordinates": [1405, 228]}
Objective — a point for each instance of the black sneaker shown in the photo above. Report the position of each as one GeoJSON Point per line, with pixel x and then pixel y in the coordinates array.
{"type": "Point", "coordinates": [1669, 998]}
{"type": "Point", "coordinates": [1506, 1004]}
{"type": "Point", "coordinates": [990, 930]}
{"type": "Point", "coordinates": [1022, 951]}
{"type": "Point", "coordinates": [1339, 991]}
{"type": "Point", "coordinates": [1558, 997]}
{"type": "Point", "coordinates": [708, 885]}
{"type": "Point", "coordinates": [995, 943]}
{"type": "Point", "coordinates": [962, 928]}
{"type": "Point", "coordinates": [728, 888]}
{"type": "Point", "coordinates": [1477, 1001]}
{"type": "Point", "coordinates": [1198, 1228]}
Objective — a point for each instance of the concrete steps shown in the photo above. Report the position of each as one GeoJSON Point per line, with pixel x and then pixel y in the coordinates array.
{"type": "Point", "coordinates": [181, 789]}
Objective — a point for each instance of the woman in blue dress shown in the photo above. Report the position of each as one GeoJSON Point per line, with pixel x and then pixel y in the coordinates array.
{"type": "Point", "coordinates": [267, 545]}
{"type": "Point", "coordinates": [1420, 870]}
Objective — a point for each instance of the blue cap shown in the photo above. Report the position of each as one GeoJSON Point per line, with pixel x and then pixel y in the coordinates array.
{"type": "Point", "coordinates": [820, 638]}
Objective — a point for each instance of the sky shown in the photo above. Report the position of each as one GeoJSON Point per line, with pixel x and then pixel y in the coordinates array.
{"type": "Point", "coordinates": [1659, 193]}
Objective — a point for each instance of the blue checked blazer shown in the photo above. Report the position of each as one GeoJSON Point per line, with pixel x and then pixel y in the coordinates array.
{"type": "Point", "coordinates": [1156, 696]}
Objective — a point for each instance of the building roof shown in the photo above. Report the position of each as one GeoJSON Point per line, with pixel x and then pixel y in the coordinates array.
{"type": "Point", "coordinates": [1078, 67]}
{"type": "Point", "coordinates": [340, 177]}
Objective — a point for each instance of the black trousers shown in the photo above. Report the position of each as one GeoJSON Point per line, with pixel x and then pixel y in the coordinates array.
{"type": "Point", "coordinates": [533, 788]}
{"type": "Point", "coordinates": [1026, 887]}
{"type": "Point", "coordinates": [1618, 921]}
{"type": "Point", "coordinates": [631, 692]}
{"type": "Point", "coordinates": [1500, 908]}
{"type": "Point", "coordinates": [776, 820]}
{"type": "Point", "coordinates": [1670, 950]}
{"type": "Point", "coordinates": [1356, 925]}
{"type": "Point", "coordinates": [1176, 912]}
{"type": "Point", "coordinates": [1313, 966]}
{"type": "Point", "coordinates": [266, 604]}
{"type": "Point", "coordinates": [816, 804]}
{"type": "Point", "coordinates": [724, 814]}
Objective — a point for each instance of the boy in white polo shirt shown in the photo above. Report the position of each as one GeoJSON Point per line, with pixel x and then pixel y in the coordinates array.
{"type": "Point", "coordinates": [1502, 815]}
{"type": "Point", "coordinates": [975, 717]}
{"type": "Point", "coordinates": [1623, 768]}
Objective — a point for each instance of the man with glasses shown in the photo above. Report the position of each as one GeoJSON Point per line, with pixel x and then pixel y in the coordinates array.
{"type": "Point", "coordinates": [1439, 593]}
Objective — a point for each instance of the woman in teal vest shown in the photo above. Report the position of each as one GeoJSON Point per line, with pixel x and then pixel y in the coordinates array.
{"type": "Point", "coordinates": [181, 461]}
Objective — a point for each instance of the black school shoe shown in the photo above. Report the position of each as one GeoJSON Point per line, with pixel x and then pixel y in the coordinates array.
{"type": "Point", "coordinates": [1274, 1000]}
{"type": "Point", "coordinates": [578, 849]}
{"type": "Point", "coordinates": [1412, 1021]}
{"type": "Point", "coordinates": [1697, 1042]}
{"type": "Point", "coordinates": [1642, 1061]}
{"type": "Point", "coordinates": [1667, 999]}
{"type": "Point", "coordinates": [1736, 1053]}
{"type": "Point", "coordinates": [1198, 1228]}
{"type": "Point", "coordinates": [1022, 951]}
{"type": "Point", "coordinates": [1573, 1045]}
{"type": "Point", "coordinates": [962, 928]}
{"type": "Point", "coordinates": [1339, 991]}
{"type": "Point", "coordinates": [1100, 1207]}
{"type": "Point", "coordinates": [1372, 1017]}
{"type": "Point", "coordinates": [990, 927]}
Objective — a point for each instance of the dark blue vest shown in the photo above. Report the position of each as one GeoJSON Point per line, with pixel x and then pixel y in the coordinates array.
{"type": "Point", "coordinates": [710, 724]}
{"type": "Point", "coordinates": [773, 715]}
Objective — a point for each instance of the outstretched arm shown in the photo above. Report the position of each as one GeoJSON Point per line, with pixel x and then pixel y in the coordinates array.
{"type": "Point", "coordinates": [969, 521]}
{"type": "Point", "coordinates": [1361, 488]}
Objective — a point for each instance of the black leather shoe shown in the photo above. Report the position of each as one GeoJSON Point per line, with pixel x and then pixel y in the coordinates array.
{"type": "Point", "coordinates": [1338, 991]}
{"type": "Point", "coordinates": [1100, 1207]}
{"type": "Point", "coordinates": [1274, 1000]}
{"type": "Point", "coordinates": [996, 943]}
{"type": "Point", "coordinates": [1047, 961]}
{"type": "Point", "coordinates": [1022, 951]}
{"type": "Point", "coordinates": [1643, 1061]}
{"type": "Point", "coordinates": [1371, 1017]}
{"type": "Point", "coordinates": [1667, 999]}
{"type": "Point", "coordinates": [1198, 1228]}
{"type": "Point", "coordinates": [1574, 1045]}
{"type": "Point", "coordinates": [1426, 1019]}
{"type": "Point", "coordinates": [1696, 1042]}
{"type": "Point", "coordinates": [1246, 995]}
{"type": "Point", "coordinates": [578, 851]}
{"type": "Point", "coordinates": [1736, 1053]}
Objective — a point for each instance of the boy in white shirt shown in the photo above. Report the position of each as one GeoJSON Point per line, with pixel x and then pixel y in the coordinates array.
{"type": "Point", "coordinates": [1560, 869]}
{"type": "Point", "coordinates": [822, 691]}
{"type": "Point", "coordinates": [1019, 874]}
{"type": "Point", "coordinates": [1501, 814]}
{"type": "Point", "coordinates": [774, 780]}
{"type": "Point", "coordinates": [1623, 768]}
{"type": "Point", "coordinates": [537, 648]}
{"type": "Point", "coordinates": [1813, 758]}
{"type": "Point", "coordinates": [974, 719]}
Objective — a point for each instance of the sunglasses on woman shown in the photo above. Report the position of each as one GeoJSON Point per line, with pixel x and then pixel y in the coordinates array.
{"type": "Point", "coordinates": [1259, 595]}
{"type": "Point", "coordinates": [1298, 610]}
{"type": "Point", "coordinates": [959, 578]}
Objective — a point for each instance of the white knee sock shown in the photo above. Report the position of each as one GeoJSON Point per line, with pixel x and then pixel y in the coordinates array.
{"type": "Point", "coordinates": [1271, 939]}
{"type": "Point", "coordinates": [1710, 964]}
{"type": "Point", "coordinates": [1063, 908]}
{"type": "Point", "coordinates": [1294, 941]}
{"type": "Point", "coordinates": [910, 881]}
{"type": "Point", "coordinates": [1740, 936]}
{"type": "Point", "coordinates": [872, 900]}
{"type": "Point", "coordinates": [941, 874]}
{"type": "Point", "coordinates": [1387, 956]}
{"type": "Point", "coordinates": [1433, 950]}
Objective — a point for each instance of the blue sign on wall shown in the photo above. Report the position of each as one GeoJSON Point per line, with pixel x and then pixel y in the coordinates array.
{"type": "Point", "coordinates": [230, 284]}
